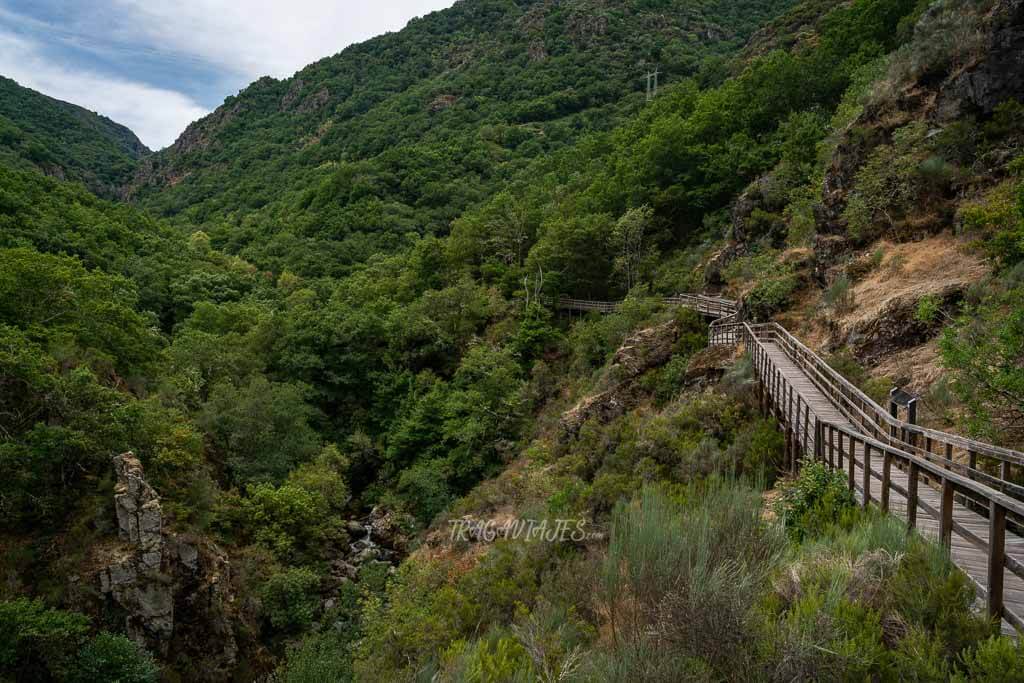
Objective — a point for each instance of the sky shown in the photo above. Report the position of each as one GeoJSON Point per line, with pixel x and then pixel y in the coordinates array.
{"type": "Point", "coordinates": [157, 65]}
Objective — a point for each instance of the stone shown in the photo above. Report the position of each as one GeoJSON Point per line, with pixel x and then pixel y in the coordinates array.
{"type": "Point", "coordinates": [189, 555]}
{"type": "Point", "coordinates": [642, 351]}
{"type": "Point", "coordinates": [173, 591]}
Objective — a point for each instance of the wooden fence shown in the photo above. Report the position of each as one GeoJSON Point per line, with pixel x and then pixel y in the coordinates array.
{"type": "Point", "coordinates": [902, 470]}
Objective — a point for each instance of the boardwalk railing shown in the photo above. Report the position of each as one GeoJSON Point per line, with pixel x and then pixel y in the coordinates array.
{"type": "Point", "coordinates": [852, 449]}
{"type": "Point", "coordinates": [968, 492]}
{"type": "Point", "coordinates": [712, 306]}
{"type": "Point", "coordinates": [983, 462]}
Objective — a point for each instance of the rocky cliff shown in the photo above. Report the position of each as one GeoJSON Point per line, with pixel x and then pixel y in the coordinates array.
{"type": "Point", "coordinates": [174, 591]}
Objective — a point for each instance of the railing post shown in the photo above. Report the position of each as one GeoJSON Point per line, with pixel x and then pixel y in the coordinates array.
{"type": "Point", "coordinates": [946, 514]}
{"type": "Point", "coordinates": [912, 495]}
{"type": "Point", "coordinates": [853, 464]}
{"type": "Point", "coordinates": [996, 558]}
{"type": "Point", "coordinates": [831, 447]}
{"type": "Point", "coordinates": [886, 478]}
{"type": "Point", "coordinates": [776, 399]}
{"type": "Point", "coordinates": [893, 412]}
{"type": "Point", "coordinates": [807, 423]}
{"type": "Point", "coordinates": [819, 441]}
{"type": "Point", "coordinates": [789, 448]}
{"type": "Point", "coordinates": [867, 474]}
{"type": "Point", "coordinates": [912, 419]}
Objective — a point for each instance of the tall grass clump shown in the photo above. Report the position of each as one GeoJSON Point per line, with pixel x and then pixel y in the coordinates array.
{"type": "Point", "coordinates": [680, 582]}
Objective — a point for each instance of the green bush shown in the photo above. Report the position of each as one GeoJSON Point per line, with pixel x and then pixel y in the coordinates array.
{"type": "Point", "coordinates": [115, 658]}
{"type": "Point", "coordinates": [995, 660]}
{"type": "Point", "coordinates": [771, 296]}
{"type": "Point", "coordinates": [813, 502]}
{"type": "Point", "coordinates": [982, 349]}
{"type": "Point", "coordinates": [36, 640]}
{"type": "Point", "coordinates": [689, 577]}
{"type": "Point", "coordinates": [289, 599]}
{"type": "Point", "coordinates": [288, 520]}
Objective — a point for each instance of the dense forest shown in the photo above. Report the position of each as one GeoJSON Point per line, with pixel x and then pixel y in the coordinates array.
{"type": "Point", "coordinates": [65, 141]}
{"type": "Point", "coordinates": [318, 322]}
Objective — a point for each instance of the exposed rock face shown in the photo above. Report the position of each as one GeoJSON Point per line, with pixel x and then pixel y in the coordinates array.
{"type": "Point", "coordinates": [442, 102]}
{"type": "Point", "coordinates": [708, 366]}
{"type": "Point", "coordinates": [149, 603]}
{"type": "Point", "coordinates": [603, 407]}
{"type": "Point", "coordinates": [999, 77]}
{"type": "Point", "coordinates": [977, 89]}
{"type": "Point", "coordinates": [757, 195]}
{"type": "Point", "coordinates": [827, 252]}
{"type": "Point", "coordinates": [644, 350]}
{"type": "Point", "coordinates": [174, 590]}
{"type": "Point", "coordinates": [139, 516]}
{"type": "Point", "coordinates": [897, 327]}
{"type": "Point", "coordinates": [713, 270]}
{"type": "Point", "coordinates": [381, 537]}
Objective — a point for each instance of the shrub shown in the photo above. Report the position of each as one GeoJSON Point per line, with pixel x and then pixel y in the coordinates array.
{"type": "Point", "coordinates": [886, 184]}
{"type": "Point", "coordinates": [289, 599]}
{"type": "Point", "coordinates": [771, 296]}
{"type": "Point", "coordinates": [687, 579]}
{"type": "Point", "coordinates": [983, 349]}
{"type": "Point", "coordinates": [36, 640]}
{"type": "Point", "coordinates": [920, 657]}
{"type": "Point", "coordinates": [995, 660]}
{"type": "Point", "coordinates": [489, 660]}
{"type": "Point", "coordinates": [839, 296]}
{"type": "Point", "coordinates": [931, 592]}
{"type": "Point", "coordinates": [287, 520]}
{"type": "Point", "coordinates": [110, 657]}
{"type": "Point", "coordinates": [756, 452]}
{"type": "Point", "coordinates": [534, 333]}
{"type": "Point", "coordinates": [816, 500]}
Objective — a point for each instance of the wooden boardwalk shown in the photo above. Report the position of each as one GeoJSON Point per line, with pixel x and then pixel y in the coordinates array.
{"type": "Point", "coordinates": [960, 492]}
{"type": "Point", "coordinates": [971, 558]}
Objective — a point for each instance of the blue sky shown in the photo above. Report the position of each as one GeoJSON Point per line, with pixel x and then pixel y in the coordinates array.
{"type": "Point", "coordinates": [157, 65]}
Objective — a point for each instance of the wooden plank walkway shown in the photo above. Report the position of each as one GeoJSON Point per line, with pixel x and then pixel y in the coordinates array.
{"type": "Point", "coordinates": [973, 560]}
{"type": "Point", "coordinates": [934, 480]}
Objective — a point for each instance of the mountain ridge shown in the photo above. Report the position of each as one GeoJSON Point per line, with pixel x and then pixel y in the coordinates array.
{"type": "Point", "coordinates": [66, 140]}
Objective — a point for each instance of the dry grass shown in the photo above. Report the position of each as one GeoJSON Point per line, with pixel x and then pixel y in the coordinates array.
{"type": "Point", "coordinates": [921, 364]}
{"type": "Point", "coordinates": [912, 271]}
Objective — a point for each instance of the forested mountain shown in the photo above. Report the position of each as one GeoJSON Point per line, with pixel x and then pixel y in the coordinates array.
{"type": "Point", "coordinates": [397, 136]}
{"type": "Point", "coordinates": [65, 140]}
{"type": "Point", "coordinates": [242, 411]}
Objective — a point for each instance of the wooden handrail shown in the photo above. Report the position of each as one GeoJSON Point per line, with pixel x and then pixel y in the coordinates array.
{"type": "Point", "coordinates": [877, 434]}
{"type": "Point", "coordinates": [833, 443]}
{"type": "Point", "coordinates": [856, 404]}
{"type": "Point", "coordinates": [860, 408]}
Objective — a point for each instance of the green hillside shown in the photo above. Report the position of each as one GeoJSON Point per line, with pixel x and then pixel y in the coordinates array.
{"type": "Point", "coordinates": [65, 140]}
{"type": "Point", "coordinates": [321, 322]}
{"type": "Point", "coordinates": [397, 136]}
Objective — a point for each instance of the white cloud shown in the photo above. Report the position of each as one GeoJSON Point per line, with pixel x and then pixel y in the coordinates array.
{"type": "Point", "coordinates": [266, 37]}
{"type": "Point", "coordinates": [156, 115]}
{"type": "Point", "coordinates": [237, 41]}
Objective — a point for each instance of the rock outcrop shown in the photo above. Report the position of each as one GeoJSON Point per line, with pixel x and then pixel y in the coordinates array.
{"type": "Point", "coordinates": [380, 537]}
{"type": "Point", "coordinates": [133, 581]}
{"type": "Point", "coordinates": [644, 350]}
{"type": "Point", "coordinates": [993, 74]}
{"type": "Point", "coordinates": [996, 78]}
{"type": "Point", "coordinates": [173, 590]}
{"type": "Point", "coordinates": [897, 326]}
